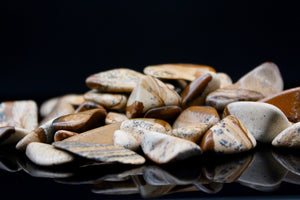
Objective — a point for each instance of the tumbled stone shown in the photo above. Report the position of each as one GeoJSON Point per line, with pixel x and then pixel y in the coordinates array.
{"type": "Point", "coordinates": [225, 79]}
{"type": "Point", "coordinates": [195, 93]}
{"type": "Point", "coordinates": [159, 121]}
{"type": "Point", "coordinates": [115, 80]}
{"type": "Point", "coordinates": [162, 148]}
{"type": "Point", "coordinates": [195, 115]}
{"type": "Point", "coordinates": [47, 155]}
{"type": "Point", "coordinates": [264, 121]}
{"type": "Point", "coordinates": [80, 122]}
{"type": "Point", "coordinates": [21, 114]}
{"type": "Point", "coordinates": [63, 134]}
{"type": "Point", "coordinates": [265, 79]}
{"type": "Point", "coordinates": [101, 152]}
{"type": "Point", "coordinates": [107, 100]}
{"type": "Point", "coordinates": [48, 105]}
{"type": "Point", "coordinates": [288, 101]}
{"type": "Point", "coordinates": [88, 105]}
{"type": "Point", "coordinates": [125, 139]}
{"type": "Point", "coordinates": [100, 135]}
{"type": "Point", "coordinates": [11, 135]}
{"type": "Point", "coordinates": [289, 137]}
{"type": "Point", "coordinates": [150, 93]}
{"type": "Point", "coordinates": [191, 133]}
{"type": "Point", "coordinates": [113, 117]}
{"type": "Point", "coordinates": [228, 136]}
{"type": "Point", "coordinates": [167, 113]}
{"type": "Point", "coordinates": [177, 71]}
{"type": "Point", "coordinates": [223, 96]}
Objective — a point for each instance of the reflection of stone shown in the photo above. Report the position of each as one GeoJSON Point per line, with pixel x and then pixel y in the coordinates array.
{"type": "Point", "coordinates": [115, 188]}
{"type": "Point", "coordinates": [9, 160]}
{"type": "Point", "coordinates": [289, 161]}
{"type": "Point", "coordinates": [210, 188]}
{"type": "Point", "coordinates": [292, 178]}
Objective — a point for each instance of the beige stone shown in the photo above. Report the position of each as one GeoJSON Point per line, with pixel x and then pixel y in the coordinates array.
{"type": "Point", "coordinates": [289, 137]}
{"type": "Point", "coordinates": [225, 79]}
{"type": "Point", "coordinates": [125, 139]}
{"type": "Point", "coordinates": [113, 117]}
{"type": "Point", "coordinates": [12, 135]}
{"type": "Point", "coordinates": [63, 134]}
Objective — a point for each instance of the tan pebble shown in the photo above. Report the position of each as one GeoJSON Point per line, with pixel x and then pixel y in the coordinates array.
{"type": "Point", "coordinates": [63, 134]}
{"type": "Point", "coordinates": [289, 137]}
{"type": "Point", "coordinates": [113, 117]}
{"type": "Point", "coordinates": [88, 105]}
{"type": "Point", "coordinates": [167, 113]}
{"type": "Point", "coordinates": [159, 121]}
{"type": "Point", "coordinates": [125, 139]}
{"type": "Point", "coordinates": [11, 135]}
{"type": "Point", "coordinates": [225, 79]}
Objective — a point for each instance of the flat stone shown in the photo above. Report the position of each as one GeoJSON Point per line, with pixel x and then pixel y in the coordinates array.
{"type": "Point", "coordinates": [195, 115]}
{"type": "Point", "coordinates": [265, 79]}
{"type": "Point", "coordinates": [47, 155]}
{"type": "Point", "coordinates": [191, 133]}
{"type": "Point", "coordinates": [177, 71]}
{"type": "Point", "coordinates": [100, 135]}
{"type": "Point", "coordinates": [88, 105]}
{"type": "Point", "coordinates": [150, 93]}
{"type": "Point", "coordinates": [290, 161]}
{"type": "Point", "coordinates": [80, 122]}
{"type": "Point", "coordinates": [21, 114]}
{"type": "Point", "coordinates": [264, 121]}
{"type": "Point", "coordinates": [115, 80]}
{"type": "Point", "coordinates": [101, 152]}
{"type": "Point", "coordinates": [289, 137]}
{"type": "Point", "coordinates": [195, 93]}
{"type": "Point", "coordinates": [113, 117]}
{"type": "Point", "coordinates": [126, 139]}
{"type": "Point", "coordinates": [63, 134]}
{"type": "Point", "coordinates": [107, 100]}
{"type": "Point", "coordinates": [223, 96]}
{"type": "Point", "coordinates": [167, 113]}
{"type": "Point", "coordinates": [225, 79]}
{"type": "Point", "coordinates": [162, 148]}
{"type": "Point", "coordinates": [288, 101]}
{"type": "Point", "coordinates": [11, 135]}
{"type": "Point", "coordinates": [228, 136]}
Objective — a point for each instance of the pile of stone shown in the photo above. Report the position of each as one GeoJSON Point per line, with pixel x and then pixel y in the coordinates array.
{"type": "Point", "coordinates": [168, 113]}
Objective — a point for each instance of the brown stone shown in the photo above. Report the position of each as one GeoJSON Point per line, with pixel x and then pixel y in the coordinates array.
{"type": "Point", "coordinates": [11, 135]}
{"type": "Point", "coordinates": [88, 105]}
{"type": "Point", "coordinates": [113, 117]}
{"type": "Point", "coordinates": [63, 134]}
{"type": "Point", "coordinates": [288, 101]}
{"type": "Point", "coordinates": [159, 121]}
{"type": "Point", "coordinates": [225, 79]}
{"type": "Point", "coordinates": [167, 113]}
{"type": "Point", "coordinates": [195, 115]}
{"type": "Point", "coordinates": [126, 139]}
{"type": "Point", "coordinates": [80, 122]}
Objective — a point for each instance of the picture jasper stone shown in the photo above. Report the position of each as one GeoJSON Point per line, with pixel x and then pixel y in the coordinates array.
{"type": "Point", "coordinates": [225, 79]}
{"type": "Point", "coordinates": [228, 136]}
{"type": "Point", "coordinates": [11, 135]}
{"type": "Point", "coordinates": [113, 117]}
{"type": "Point", "coordinates": [88, 105]}
{"type": "Point", "coordinates": [288, 101]}
{"type": "Point", "coordinates": [115, 80]}
{"type": "Point", "coordinates": [63, 134]}
{"type": "Point", "coordinates": [177, 71]}
{"type": "Point", "coordinates": [289, 137]}
{"type": "Point", "coordinates": [167, 113]}
{"type": "Point", "coordinates": [126, 139]}
{"type": "Point", "coordinates": [101, 152]}
{"type": "Point", "coordinates": [150, 93]}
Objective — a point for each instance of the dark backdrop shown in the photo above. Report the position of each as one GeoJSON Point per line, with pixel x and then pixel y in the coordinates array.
{"type": "Point", "coordinates": [48, 48]}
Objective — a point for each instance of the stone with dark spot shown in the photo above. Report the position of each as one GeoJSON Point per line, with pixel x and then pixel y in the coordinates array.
{"type": "Point", "coordinates": [289, 137]}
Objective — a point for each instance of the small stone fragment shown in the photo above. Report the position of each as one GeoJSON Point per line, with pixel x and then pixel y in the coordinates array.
{"type": "Point", "coordinates": [228, 136]}
{"type": "Point", "coordinates": [125, 139]}
{"type": "Point", "coordinates": [113, 117]}
{"type": "Point", "coordinates": [63, 134]}
{"type": "Point", "coordinates": [288, 101]}
{"type": "Point", "coordinates": [177, 71]}
{"type": "Point", "coordinates": [150, 93]}
{"type": "Point", "coordinates": [107, 100]}
{"type": "Point", "coordinates": [47, 155]}
{"type": "Point", "coordinates": [116, 80]}
{"type": "Point", "coordinates": [101, 152]}
{"type": "Point", "coordinates": [11, 135]}
{"type": "Point", "coordinates": [80, 122]}
{"type": "Point", "coordinates": [88, 105]}
{"type": "Point", "coordinates": [195, 115]}
{"type": "Point", "coordinates": [264, 121]}
{"type": "Point", "coordinates": [289, 137]}
{"type": "Point", "coordinates": [162, 148]}
{"type": "Point", "coordinates": [167, 113]}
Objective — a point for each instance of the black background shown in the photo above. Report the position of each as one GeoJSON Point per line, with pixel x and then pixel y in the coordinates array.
{"type": "Point", "coordinates": [48, 48]}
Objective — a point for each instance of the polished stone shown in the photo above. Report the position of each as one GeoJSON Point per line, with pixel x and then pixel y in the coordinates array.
{"type": "Point", "coordinates": [126, 139]}
{"type": "Point", "coordinates": [113, 117]}
{"type": "Point", "coordinates": [11, 135]}
{"type": "Point", "coordinates": [63, 134]}
{"type": "Point", "coordinates": [167, 113]}
{"type": "Point", "coordinates": [88, 105]}
{"type": "Point", "coordinates": [225, 79]}
{"type": "Point", "coordinates": [289, 137]}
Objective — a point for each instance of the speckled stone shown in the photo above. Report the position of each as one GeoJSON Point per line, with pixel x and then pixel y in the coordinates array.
{"type": "Point", "coordinates": [139, 127]}
{"type": "Point", "coordinates": [63, 134]}
{"type": "Point", "coordinates": [264, 121]}
{"type": "Point", "coordinates": [223, 96]}
{"type": "Point", "coordinates": [288, 101]}
{"type": "Point", "coordinates": [101, 152]}
{"type": "Point", "coordinates": [228, 136]}
{"type": "Point", "coordinates": [88, 105]}
{"type": "Point", "coordinates": [165, 124]}
{"type": "Point", "coordinates": [11, 135]}
{"type": "Point", "coordinates": [177, 71]}
{"type": "Point", "coordinates": [100, 135]}
{"type": "Point", "coordinates": [162, 148]}
{"type": "Point", "coordinates": [80, 122]}
{"type": "Point", "coordinates": [113, 117]}
{"type": "Point", "coordinates": [115, 80]}
{"type": "Point", "coordinates": [47, 155]}
{"type": "Point", "coordinates": [225, 79]}
{"type": "Point", "coordinates": [289, 137]}
{"type": "Point", "coordinates": [125, 139]}
{"type": "Point", "coordinates": [150, 93]}
{"type": "Point", "coordinates": [21, 114]}
{"type": "Point", "coordinates": [107, 100]}
{"type": "Point", "coordinates": [191, 133]}
{"type": "Point", "coordinates": [290, 161]}
{"type": "Point", "coordinates": [195, 115]}
{"type": "Point", "coordinates": [167, 113]}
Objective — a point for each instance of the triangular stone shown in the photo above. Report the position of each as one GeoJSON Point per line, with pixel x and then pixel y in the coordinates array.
{"type": "Point", "coordinates": [289, 137]}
